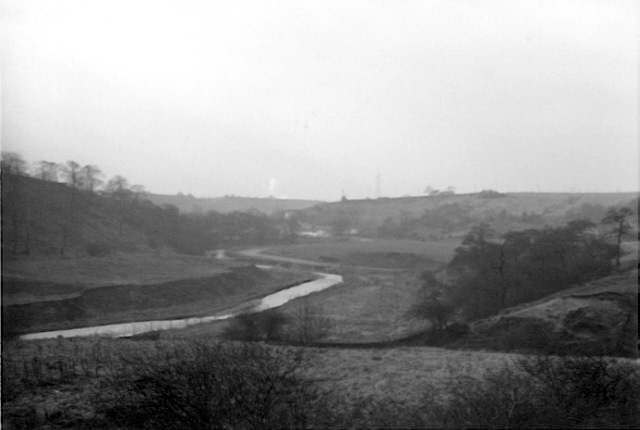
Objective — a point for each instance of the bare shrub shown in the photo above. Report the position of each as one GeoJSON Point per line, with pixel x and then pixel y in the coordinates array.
{"type": "Point", "coordinates": [499, 400]}
{"type": "Point", "coordinates": [541, 392]}
{"type": "Point", "coordinates": [336, 410]}
{"type": "Point", "coordinates": [266, 325]}
{"type": "Point", "coordinates": [199, 385]}
{"type": "Point", "coordinates": [308, 324]}
{"type": "Point", "coordinates": [591, 391]}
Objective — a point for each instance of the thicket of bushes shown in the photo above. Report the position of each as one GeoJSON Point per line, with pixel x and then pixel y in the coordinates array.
{"type": "Point", "coordinates": [207, 385]}
{"type": "Point", "coordinates": [488, 274]}
{"type": "Point", "coordinates": [306, 325]}
{"type": "Point", "coordinates": [200, 384]}
{"type": "Point", "coordinates": [543, 392]}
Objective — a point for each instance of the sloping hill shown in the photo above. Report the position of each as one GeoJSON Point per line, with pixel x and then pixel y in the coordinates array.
{"type": "Point", "coordinates": [269, 206]}
{"type": "Point", "coordinates": [41, 217]}
{"type": "Point", "coordinates": [432, 217]}
{"type": "Point", "coordinates": [48, 218]}
{"type": "Point", "coordinates": [598, 317]}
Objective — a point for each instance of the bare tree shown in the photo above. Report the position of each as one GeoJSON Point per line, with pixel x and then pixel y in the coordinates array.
{"type": "Point", "coordinates": [309, 324]}
{"type": "Point", "coordinates": [71, 225]}
{"type": "Point", "coordinates": [618, 217]}
{"type": "Point", "coordinates": [118, 186]}
{"type": "Point", "coordinates": [91, 177]}
{"type": "Point", "coordinates": [72, 174]}
{"type": "Point", "coordinates": [138, 191]}
{"type": "Point", "coordinates": [13, 164]}
{"type": "Point", "coordinates": [46, 171]}
{"type": "Point", "coordinates": [14, 207]}
{"type": "Point", "coordinates": [431, 305]}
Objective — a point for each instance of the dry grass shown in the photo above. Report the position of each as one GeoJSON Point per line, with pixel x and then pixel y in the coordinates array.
{"type": "Point", "coordinates": [398, 378]}
{"type": "Point", "coordinates": [55, 278]}
{"type": "Point", "coordinates": [369, 306]}
{"type": "Point", "coordinates": [123, 268]}
{"type": "Point", "coordinates": [342, 251]}
{"type": "Point", "coordinates": [401, 374]}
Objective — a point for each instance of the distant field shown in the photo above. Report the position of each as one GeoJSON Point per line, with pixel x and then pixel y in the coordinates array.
{"type": "Point", "coordinates": [373, 252]}
{"type": "Point", "coordinates": [133, 268]}
{"type": "Point", "coordinates": [367, 307]}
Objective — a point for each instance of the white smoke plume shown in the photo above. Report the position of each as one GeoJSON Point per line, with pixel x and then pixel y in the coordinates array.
{"type": "Point", "coordinates": [273, 184]}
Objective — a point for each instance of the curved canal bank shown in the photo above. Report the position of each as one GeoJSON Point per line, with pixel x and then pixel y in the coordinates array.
{"type": "Point", "coordinates": [270, 301]}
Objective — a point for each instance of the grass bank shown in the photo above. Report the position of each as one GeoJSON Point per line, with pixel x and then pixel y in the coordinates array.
{"type": "Point", "coordinates": [127, 303]}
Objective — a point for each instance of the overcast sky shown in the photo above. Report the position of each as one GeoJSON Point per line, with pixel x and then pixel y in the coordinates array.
{"type": "Point", "coordinates": [305, 99]}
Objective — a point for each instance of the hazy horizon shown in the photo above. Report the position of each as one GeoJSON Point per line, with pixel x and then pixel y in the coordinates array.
{"type": "Point", "coordinates": [307, 100]}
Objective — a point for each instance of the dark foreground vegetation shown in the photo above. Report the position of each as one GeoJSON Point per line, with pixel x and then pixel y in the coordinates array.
{"type": "Point", "coordinates": [203, 384]}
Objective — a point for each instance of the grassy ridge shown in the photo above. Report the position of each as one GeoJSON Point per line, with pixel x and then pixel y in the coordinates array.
{"type": "Point", "coordinates": [512, 211]}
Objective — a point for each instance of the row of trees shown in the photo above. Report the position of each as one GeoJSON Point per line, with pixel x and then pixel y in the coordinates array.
{"type": "Point", "coordinates": [32, 196]}
{"type": "Point", "coordinates": [88, 178]}
{"type": "Point", "coordinates": [488, 274]}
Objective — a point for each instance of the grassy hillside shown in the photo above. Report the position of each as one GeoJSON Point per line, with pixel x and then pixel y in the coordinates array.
{"type": "Point", "coordinates": [267, 205]}
{"type": "Point", "coordinates": [435, 217]}
{"type": "Point", "coordinates": [50, 218]}
{"type": "Point", "coordinates": [598, 317]}
{"type": "Point", "coordinates": [42, 278]}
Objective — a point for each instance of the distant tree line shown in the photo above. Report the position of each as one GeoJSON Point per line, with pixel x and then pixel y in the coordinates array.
{"type": "Point", "coordinates": [454, 217]}
{"type": "Point", "coordinates": [34, 203]}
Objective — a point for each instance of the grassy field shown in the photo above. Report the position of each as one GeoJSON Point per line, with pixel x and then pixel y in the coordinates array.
{"type": "Point", "coordinates": [369, 306]}
{"type": "Point", "coordinates": [117, 269]}
{"type": "Point", "coordinates": [398, 254]}
{"type": "Point", "coordinates": [55, 377]}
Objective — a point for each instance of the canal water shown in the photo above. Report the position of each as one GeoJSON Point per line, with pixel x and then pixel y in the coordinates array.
{"type": "Point", "coordinates": [274, 300]}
